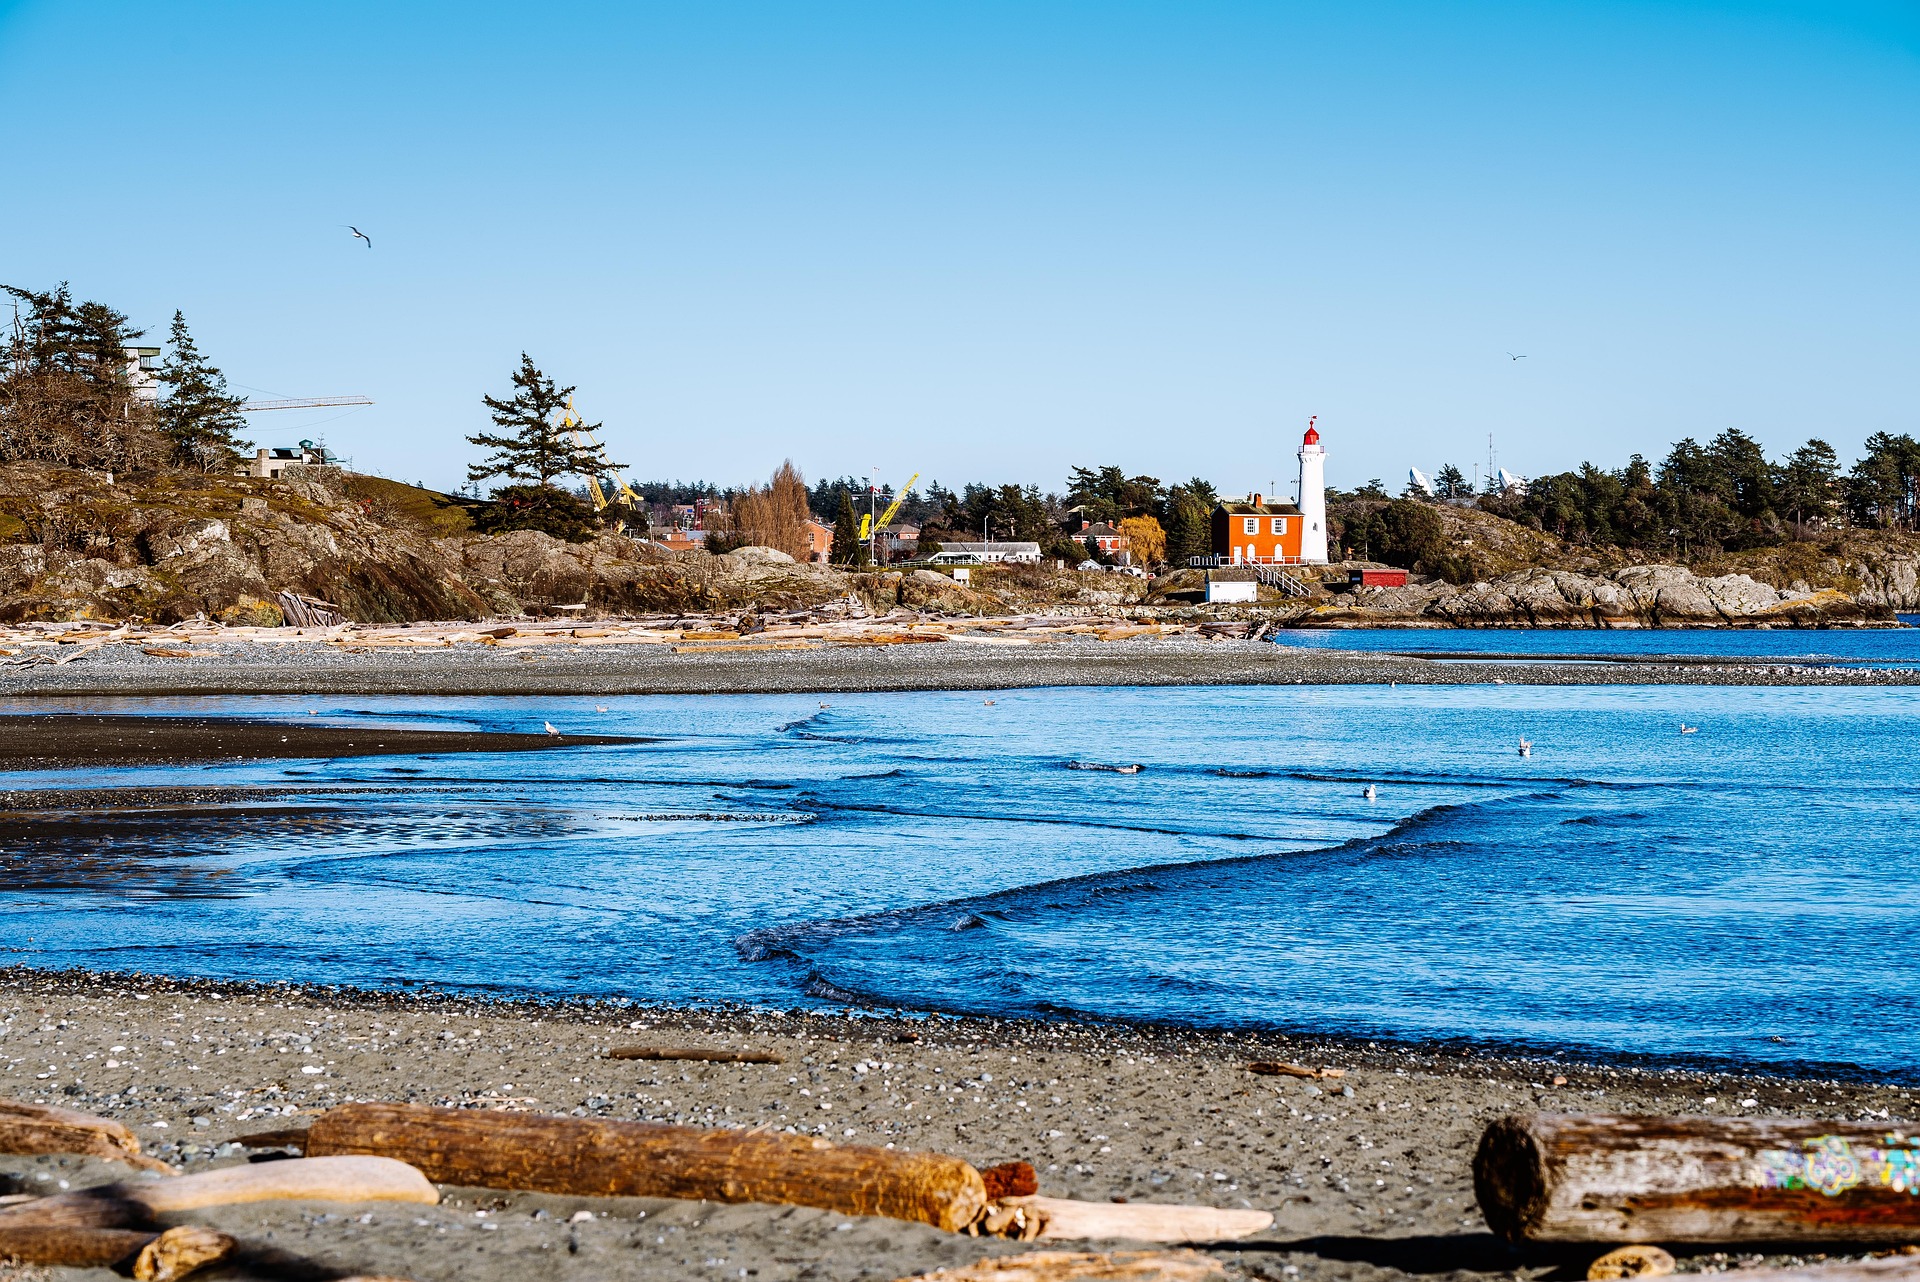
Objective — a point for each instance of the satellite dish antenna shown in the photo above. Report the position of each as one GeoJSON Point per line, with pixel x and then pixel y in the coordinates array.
{"type": "Point", "coordinates": [1418, 480]}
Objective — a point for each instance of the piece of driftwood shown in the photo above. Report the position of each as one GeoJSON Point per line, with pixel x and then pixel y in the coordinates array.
{"type": "Point", "coordinates": [1058, 1217]}
{"type": "Point", "coordinates": [71, 1246]}
{"type": "Point", "coordinates": [308, 612]}
{"type": "Point", "coordinates": [694, 1053]}
{"type": "Point", "coordinates": [1276, 1068]}
{"type": "Point", "coordinates": [179, 1251]}
{"type": "Point", "coordinates": [1010, 1179]}
{"type": "Point", "coordinates": [317, 1179]}
{"type": "Point", "coordinates": [292, 1137]}
{"type": "Point", "coordinates": [42, 1128]}
{"type": "Point", "coordinates": [1637, 1261]}
{"type": "Point", "coordinates": [1080, 1266]}
{"type": "Point", "coordinates": [1616, 1178]}
{"type": "Point", "coordinates": [600, 1157]}
{"type": "Point", "coordinates": [323, 1179]}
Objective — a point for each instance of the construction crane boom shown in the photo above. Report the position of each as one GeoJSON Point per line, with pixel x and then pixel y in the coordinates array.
{"type": "Point", "coordinates": [304, 403]}
{"type": "Point", "coordinates": [870, 526]}
{"type": "Point", "coordinates": [584, 440]}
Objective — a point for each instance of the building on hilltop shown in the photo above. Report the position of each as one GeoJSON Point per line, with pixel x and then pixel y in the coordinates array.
{"type": "Point", "coordinates": [269, 464]}
{"type": "Point", "coordinates": [1256, 531]}
{"type": "Point", "coordinates": [1113, 544]}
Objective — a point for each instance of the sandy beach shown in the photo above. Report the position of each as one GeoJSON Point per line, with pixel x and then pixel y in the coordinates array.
{"type": "Point", "coordinates": [1366, 1175]}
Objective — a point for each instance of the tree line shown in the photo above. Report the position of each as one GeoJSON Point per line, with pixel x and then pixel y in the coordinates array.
{"type": "Point", "coordinates": [1725, 495]}
{"type": "Point", "coordinates": [70, 394]}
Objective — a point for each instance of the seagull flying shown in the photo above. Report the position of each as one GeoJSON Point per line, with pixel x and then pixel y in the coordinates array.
{"type": "Point", "coordinates": [362, 235]}
{"type": "Point", "coordinates": [1520, 356]}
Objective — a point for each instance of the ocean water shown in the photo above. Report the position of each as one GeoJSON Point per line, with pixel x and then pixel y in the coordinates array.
{"type": "Point", "coordinates": [1749, 893]}
{"type": "Point", "coordinates": [1894, 647]}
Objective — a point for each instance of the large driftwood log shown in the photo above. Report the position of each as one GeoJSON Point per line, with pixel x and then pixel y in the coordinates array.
{"type": "Point", "coordinates": [1615, 1178]}
{"type": "Point", "coordinates": [599, 1157]}
{"type": "Point", "coordinates": [1059, 1217]}
{"type": "Point", "coordinates": [41, 1128]}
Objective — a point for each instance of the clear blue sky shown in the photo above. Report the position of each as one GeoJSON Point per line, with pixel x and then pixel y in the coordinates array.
{"type": "Point", "coordinates": [992, 240]}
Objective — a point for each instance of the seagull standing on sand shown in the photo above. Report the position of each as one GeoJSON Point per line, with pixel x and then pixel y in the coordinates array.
{"type": "Point", "coordinates": [551, 729]}
{"type": "Point", "coordinates": [362, 235]}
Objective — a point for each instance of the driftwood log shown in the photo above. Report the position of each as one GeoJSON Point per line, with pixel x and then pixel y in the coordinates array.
{"type": "Point", "coordinates": [1615, 1178]}
{"type": "Point", "coordinates": [694, 1053]}
{"type": "Point", "coordinates": [1028, 1218]}
{"type": "Point", "coordinates": [179, 1251]}
{"type": "Point", "coordinates": [1077, 1266]}
{"type": "Point", "coordinates": [41, 1128]}
{"type": "Point", "coordinates": [133, 1205]}
{"type": "Point", "coordinates": [71, 1246]}
{"type": "Point", "coordinates": [599, 1157]}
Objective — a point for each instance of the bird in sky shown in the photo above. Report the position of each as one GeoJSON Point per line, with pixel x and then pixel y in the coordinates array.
{"type": "Point", "coordinates": [362, 235]}
{"type": "Point", "coordinates": [1519, 357]}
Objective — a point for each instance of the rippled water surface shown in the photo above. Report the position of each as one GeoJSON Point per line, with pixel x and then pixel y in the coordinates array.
{"type": "Point", "coordinates": [1847, 647]}
{"type": "Point", "coordinates": [1748, 892]}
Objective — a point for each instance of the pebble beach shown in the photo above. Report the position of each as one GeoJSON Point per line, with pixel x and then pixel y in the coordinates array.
{"type": "Point", "coordinates": [1366, 1173]}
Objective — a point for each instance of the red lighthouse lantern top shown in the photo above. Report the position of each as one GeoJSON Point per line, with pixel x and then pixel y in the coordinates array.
{"type": "Point", "coordinates": [1312, 437]}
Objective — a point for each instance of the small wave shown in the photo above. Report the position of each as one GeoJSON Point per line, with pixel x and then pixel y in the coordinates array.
{"type": "Point", "coordinates": [970, 921]}
{"type": "Point", "coordinates": [1131, 769]}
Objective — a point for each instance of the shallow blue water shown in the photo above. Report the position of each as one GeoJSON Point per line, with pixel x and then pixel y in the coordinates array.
{"type": "Point", "coordinates": [1750, 892]}
{"type": "Point", "coordinates": [1851, 647]}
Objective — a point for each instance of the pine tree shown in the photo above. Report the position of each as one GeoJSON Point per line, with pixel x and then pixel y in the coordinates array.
{"type": "Point", "coordinates": [847, 548]}
{"type": "Point", "coordinates": [540, 447]}
{"type": "Point", "coordinates": [199, 417]}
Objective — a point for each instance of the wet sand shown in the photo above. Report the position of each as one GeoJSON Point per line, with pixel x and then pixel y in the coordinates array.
{"type": "Point", "coordinates": [303, 668]}
{"type": "Point", "coordinates": [63, 740]}
{"type": "Point", "coordinates": [1367, 1175]}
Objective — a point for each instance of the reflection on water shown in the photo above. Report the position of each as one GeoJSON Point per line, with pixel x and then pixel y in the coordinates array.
{"type": "Point", "coordinates": [1747, 892]}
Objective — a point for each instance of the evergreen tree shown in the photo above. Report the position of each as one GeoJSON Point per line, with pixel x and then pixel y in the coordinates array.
{"type": "Point", "coordinates": [539, 446]}
{"type": "Point", "coordinates": [1189, 523]}
{"type": "Point", "coordinates": [1810, 483]}
{"type": "Point", "coordinates": [66, 396]}
{"type": "Point", "coordinates": [847, 549]}
{"type": "Point", "coordinates": [199, 417]}
{"type": "Point", "coordinates": [1452, 483]}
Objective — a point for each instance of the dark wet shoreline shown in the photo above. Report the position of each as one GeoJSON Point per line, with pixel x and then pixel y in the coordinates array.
{"type": "Point", "coordinates": [50, 741]}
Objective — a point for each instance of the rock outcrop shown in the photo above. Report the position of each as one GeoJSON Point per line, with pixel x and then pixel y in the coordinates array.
{"type": "Point", "coordinates": [1637, 596]}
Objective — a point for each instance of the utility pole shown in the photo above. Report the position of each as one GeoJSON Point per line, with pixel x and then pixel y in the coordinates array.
{"type": "Point", "coordinates": [873, 513]}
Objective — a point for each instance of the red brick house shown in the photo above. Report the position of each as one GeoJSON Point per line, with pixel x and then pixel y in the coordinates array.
{"type": "Point", "coordinates": [1114, 545]}
{"type": "Point", "coordinates": [819, 541]}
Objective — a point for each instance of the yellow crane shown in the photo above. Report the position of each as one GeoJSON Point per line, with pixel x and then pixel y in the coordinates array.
{"type": "Point", "coordinates": [584, 440]}
{"type": "Point", "coordinates": [870, 528]}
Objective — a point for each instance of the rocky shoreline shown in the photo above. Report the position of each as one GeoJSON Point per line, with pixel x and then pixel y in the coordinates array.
{"type": "Point", "coordinates": [1366, 1174]}
{"type": "Point", "coordinates": [569, 665]}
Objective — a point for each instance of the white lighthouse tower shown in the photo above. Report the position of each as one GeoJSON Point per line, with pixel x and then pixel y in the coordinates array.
{"type": "Point", "coordinates": [1313, 498]}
